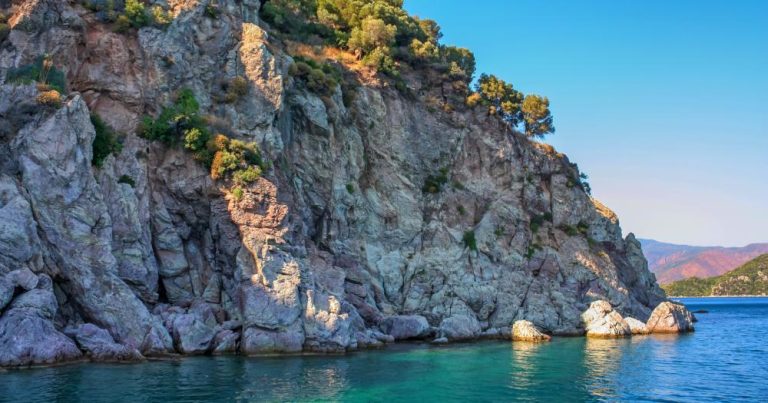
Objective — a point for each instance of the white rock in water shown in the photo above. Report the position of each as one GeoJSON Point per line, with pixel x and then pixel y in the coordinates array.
{"type": "Point", "coordinates": [524, 330]}
{"type": "Point", "coordinates": [601, 320]}
{"type": "Point", "coordinates": [670, 317]}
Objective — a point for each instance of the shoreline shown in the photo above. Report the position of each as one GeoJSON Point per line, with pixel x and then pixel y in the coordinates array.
{"type": "Point", "coordinates": [718, 296]}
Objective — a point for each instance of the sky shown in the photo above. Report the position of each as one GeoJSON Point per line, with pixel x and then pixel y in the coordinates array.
{"type": "Point", "coordinates": [664, 104]}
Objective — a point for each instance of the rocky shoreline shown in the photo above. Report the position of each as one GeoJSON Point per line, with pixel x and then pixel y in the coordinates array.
{"type": "Point", "coordinates": [28, 337]}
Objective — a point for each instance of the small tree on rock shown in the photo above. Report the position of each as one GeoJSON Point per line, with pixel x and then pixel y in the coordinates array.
{"type": "Point", "coordinates": [537, 118]}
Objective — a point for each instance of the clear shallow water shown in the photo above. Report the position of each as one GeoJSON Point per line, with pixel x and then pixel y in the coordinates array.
{"type": "Point", "coordinates": [726, 359]}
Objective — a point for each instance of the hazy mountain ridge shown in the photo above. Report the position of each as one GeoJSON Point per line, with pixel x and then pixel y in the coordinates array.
{"type": "Point", "coordinates": [671, 262]}
{"type": "Point", "coordinates": [750, 278]}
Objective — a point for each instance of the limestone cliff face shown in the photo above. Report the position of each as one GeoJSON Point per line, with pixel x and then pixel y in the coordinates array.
{"type": "Point", "coordinates": [336, 239]}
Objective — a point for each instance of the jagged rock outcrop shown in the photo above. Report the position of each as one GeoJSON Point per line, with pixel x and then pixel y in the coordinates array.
{"type": "Point", "coordinates": [670, 317]}
{"type": "Point", "coordinates": [337, 246]}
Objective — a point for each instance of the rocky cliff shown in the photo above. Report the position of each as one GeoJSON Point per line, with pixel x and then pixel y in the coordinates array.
{"type": "Point", "coordinates": [337, 246]}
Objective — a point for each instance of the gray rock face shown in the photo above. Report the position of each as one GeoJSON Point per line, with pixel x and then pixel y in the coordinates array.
{"type": "Point", "coordinates": [403, 327]}
{"type": "Point", "coordinates": [670, 317]}
{"type": "Point", "coordinates": [601, 320]}
{"type": "Point", "coordinates": [460, 327]}
{"type": "Point", "coordinates": [336, 247]}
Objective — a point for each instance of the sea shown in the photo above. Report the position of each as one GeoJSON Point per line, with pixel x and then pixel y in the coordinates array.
{"type": "Point", "coordinates": [724, 360]}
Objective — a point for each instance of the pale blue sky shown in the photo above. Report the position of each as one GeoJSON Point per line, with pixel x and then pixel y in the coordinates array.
{"type": "Point", "coordinates": [664, 104]}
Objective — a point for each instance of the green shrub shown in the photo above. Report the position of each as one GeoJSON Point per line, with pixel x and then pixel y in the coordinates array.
{"type": "Point", "coordinates": [461, 210]}
{"type": "Point", "coordinates": [237, 193]}
{"type": "Point", "coordinates": [538, 220]}
{"type": "Point", "coordinates": [222, 155]}
{"type": "Point", "coordinates": [160, 17]}
{"type": "Point", "coordinates": [532, 250]}
{"type": "Point", "coordinates": [136, 13]}
{"type": "Point", "coordinates": [350, 188]}
{"type": "Point", "coordinates": [174, 120]}
{"type": "Point", "coordinates": [240, 159]}
{"type": "Point", "coordinates": [570, 230]}
{"type": "Point", "coordinates": [469, 240]}
{"type": "Point", "coordinates": [105, 142]}
{"type": "Point", "coordinates": [247, 175]}
{"type": "Point", "coordinates": [41, 71]}
{"type": "Point", "coordinates": [434, 183]}
{"type": "Point", "coordinates": [127, 179]}
{"type": "Point", "coordinates": [5, 30]}
{"type": "Point", "coordinates": [212, 11]}
{"type": "Point", "coordinates": [235, 89]}
{"type": "Point", "coordinates": [320, 78]}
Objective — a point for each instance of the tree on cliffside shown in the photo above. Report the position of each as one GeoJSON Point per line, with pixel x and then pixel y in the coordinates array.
{"type": "Point", "coordinates": [501, 98]}
{"type": "Point", "coordinates": [537, 118]}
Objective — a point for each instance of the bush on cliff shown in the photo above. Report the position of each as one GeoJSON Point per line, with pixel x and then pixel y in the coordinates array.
{"type": "Point", "coordinates": [320, 78]}
{"type": "Point", "coordinates": [105, 142]}
{"type": "Point", "coordinates": [224, 157]}
{"type": "Point", "coordinates": [4, 31]}
{"type": "Point", "coordinates": [41, 71]}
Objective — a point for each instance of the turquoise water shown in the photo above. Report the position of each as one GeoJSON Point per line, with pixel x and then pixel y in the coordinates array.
{"type": "Point", "coordinates": [726, 359]}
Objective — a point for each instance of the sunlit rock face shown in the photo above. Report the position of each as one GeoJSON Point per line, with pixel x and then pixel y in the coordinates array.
{"type": "Point", "coordinates": [328, 251]}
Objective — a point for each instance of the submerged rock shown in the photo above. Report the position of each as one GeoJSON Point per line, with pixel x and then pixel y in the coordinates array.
{"type": "Point", "coordinates": [601, 320]}
{"type": "Point", "coordinates": [524, 330]}
{"type": "Point", "coordinates": [670, 317]}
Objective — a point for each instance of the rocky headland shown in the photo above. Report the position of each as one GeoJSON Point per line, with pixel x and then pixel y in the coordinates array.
{"type": "Point", "coordinates": [375, 211]}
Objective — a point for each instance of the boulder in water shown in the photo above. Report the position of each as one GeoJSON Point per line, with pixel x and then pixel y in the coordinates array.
{"type": "Point", "coordinates": [460, 327]}
{"type": "Point", "coordinates": [27, 334]}
{"type": "Point", "coordinates": [524, 330]}
{"type": "Point", "coordinates": [100, 346]}
{"type": "Point", "coordinates": [670, 317]}
{"type": "Point", "coordinates": [601, 320]}
{"type": "Point", "coordinates": [403, 327]}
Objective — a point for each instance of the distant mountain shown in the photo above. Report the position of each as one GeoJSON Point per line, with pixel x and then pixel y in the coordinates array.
{"type": "Point", "coordinates": [673, 262]}
{"type": "Point", "coordinates": [751, 278]}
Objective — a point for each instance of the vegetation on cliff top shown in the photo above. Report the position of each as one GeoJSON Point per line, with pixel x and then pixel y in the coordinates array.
{"type": "Point", "coordinates": [382, 35]}
{"type": "Point", "coordinates": [751, 278]}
